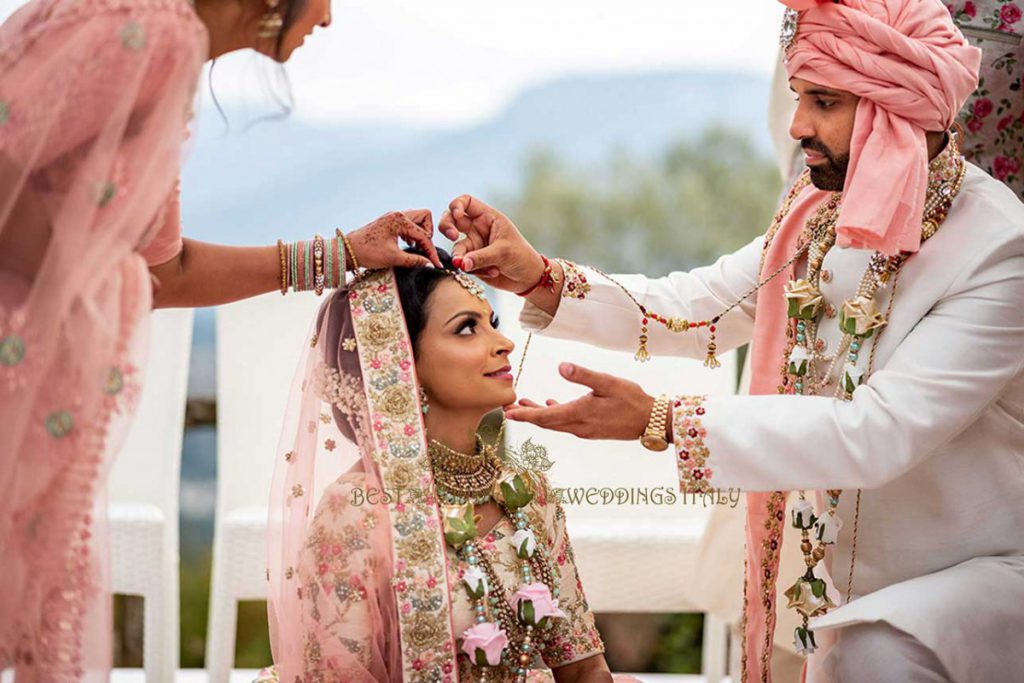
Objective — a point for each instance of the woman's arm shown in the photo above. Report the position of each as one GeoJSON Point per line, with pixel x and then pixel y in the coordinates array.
{"type": "Point", "coordinates": [204, 274]}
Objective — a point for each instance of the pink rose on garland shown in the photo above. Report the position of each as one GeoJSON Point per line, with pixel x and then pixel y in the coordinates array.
{"type": "Point", "coordinates": [484, 643]}
{"type": "Point", "coordinates": [534, 605]}
{"type": "Point", "coordinates": [1003, 167]}
{"type": "Point", "coordinates": [1009, 14]}
{"type": "Point", "coordinates": [983, 107]}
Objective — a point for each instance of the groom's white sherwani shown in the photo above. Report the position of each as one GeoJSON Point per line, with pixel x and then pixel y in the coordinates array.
{"type": "Point", "coordinates": [935, 437]}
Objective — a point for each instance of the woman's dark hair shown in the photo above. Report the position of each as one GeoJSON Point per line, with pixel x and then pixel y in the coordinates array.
{"type": "Point", "coordinates": [415, 285]}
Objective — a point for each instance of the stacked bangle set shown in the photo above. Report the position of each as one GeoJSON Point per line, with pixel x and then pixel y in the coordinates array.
{"type": "Point", "coordinates": [317, 264]}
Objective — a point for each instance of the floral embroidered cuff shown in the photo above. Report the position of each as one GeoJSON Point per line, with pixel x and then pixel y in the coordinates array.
{"type": "Point", "coordinates": [691, 453]}
{"type": "Point", "coordinates": [576, 285]}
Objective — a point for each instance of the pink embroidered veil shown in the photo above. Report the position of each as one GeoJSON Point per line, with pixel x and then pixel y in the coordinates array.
{"type": "Point", "coordinates": [94, 99]}
{"type": "Point", "coordinates": [358, 590]}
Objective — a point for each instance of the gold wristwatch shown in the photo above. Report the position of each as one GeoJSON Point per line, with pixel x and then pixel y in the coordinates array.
{"type": "Point", "coordinates": [654, 438]}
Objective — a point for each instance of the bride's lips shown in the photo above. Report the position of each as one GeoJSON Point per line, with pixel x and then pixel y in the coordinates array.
{"type": "Point", "coordinates": [504, 373]}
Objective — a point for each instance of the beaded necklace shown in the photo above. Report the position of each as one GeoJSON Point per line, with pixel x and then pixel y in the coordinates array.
{"type": "Point", "coordinates": [859, 320]}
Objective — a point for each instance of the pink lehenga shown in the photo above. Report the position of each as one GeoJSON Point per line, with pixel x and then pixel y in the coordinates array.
{"type": "Point", "coordinates": [94, 99]}
{"type": "Point", "coordinates": [362, 588]}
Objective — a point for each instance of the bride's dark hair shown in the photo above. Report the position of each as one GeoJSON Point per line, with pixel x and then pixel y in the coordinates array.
{"type": "Point", "coordinates": [415, 285]}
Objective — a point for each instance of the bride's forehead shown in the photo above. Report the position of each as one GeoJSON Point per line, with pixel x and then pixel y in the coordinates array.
{"type": "Point", "coordinates": [450, 295]}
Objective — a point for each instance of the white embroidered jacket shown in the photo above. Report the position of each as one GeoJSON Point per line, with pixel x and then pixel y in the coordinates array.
{"type": "Point", "coordinates": [935, 437]}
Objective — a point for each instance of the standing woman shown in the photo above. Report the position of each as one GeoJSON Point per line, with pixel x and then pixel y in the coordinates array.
{"type": "Point", "coordinates": [95, 96]}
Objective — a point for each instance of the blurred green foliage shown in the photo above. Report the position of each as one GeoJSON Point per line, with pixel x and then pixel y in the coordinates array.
{"type": "Point", "coordinates": [698, 200]}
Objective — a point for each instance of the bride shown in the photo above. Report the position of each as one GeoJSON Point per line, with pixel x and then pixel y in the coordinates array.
{"type": "Point", "coordinates": [402, 548]}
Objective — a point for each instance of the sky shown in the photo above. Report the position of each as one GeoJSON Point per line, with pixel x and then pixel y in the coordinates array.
{"type": "Point", "coordinates": [459, 61]}
{"type": "Point", "coordinates": [454, 62]}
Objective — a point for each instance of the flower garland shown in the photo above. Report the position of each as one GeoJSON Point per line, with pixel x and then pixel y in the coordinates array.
{"type": "Point", "coordinates": [858, 320]}
{"type": "Point", "coordinates": [503, 636]}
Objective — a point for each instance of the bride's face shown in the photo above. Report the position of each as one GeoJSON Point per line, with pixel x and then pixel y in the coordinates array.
{"type": "Point", "coordinates": [462, 360]}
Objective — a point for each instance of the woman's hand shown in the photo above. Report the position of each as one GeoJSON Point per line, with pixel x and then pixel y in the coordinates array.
{"type": "Point", "coordinates": [376, 244]}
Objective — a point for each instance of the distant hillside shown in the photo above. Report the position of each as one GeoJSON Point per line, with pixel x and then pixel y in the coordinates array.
{"type": "Point", "coordinates": [288, 178]}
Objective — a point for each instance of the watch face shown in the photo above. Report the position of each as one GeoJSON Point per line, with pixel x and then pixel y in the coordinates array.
{"type": "Point", "coordinates": [654, 443]}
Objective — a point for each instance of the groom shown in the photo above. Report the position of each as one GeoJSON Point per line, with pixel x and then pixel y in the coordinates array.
{"type": "Point", "coordinates": [885, 304]}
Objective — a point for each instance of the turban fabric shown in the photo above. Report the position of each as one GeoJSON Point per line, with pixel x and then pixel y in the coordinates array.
{"type": "Point", "coordinates": [913, 70]}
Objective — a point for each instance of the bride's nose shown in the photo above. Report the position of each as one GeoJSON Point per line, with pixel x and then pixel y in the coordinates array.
{"type": "Point", "coordinates": [505, 345]}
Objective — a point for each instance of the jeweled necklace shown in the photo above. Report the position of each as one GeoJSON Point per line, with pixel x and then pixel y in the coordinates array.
{"type": "Point", "coordinates": [462, 478]}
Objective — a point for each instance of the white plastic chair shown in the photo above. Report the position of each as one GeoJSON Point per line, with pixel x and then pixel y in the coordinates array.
{"type": "Point", "coordinates": [259, 343]}
{"type": "Point", "coordinates": [631, 557]}
{"type": "Point", "coordinates": [143, 493]}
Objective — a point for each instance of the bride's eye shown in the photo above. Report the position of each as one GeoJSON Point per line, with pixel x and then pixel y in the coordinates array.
{"type": "Point", "coordinates": [495, 321]}
{"type": "Point", "coordinates": [467, 328]}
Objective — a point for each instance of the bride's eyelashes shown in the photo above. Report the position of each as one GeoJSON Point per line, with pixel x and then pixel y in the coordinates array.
{"type": "Point", "coordinates": [468, 326]}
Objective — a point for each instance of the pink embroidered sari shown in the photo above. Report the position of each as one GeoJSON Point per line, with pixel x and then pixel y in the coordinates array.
{"type": "Point", "coordinates": [94, 98]}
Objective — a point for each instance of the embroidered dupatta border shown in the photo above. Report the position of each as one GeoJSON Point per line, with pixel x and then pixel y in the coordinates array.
{"type": "Point", "coordinates": [399, 444]}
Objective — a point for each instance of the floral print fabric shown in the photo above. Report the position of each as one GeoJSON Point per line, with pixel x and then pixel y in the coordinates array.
{"type": "Point", "coordinates": [994, 115]}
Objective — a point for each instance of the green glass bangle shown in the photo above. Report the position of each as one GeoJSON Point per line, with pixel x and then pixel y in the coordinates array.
{"type": "Point", "coordinates": [293, 266]}
{"type": "Point", "coordinates": [330, 264]}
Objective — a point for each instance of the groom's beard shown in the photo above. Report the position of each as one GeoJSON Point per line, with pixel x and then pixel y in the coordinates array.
{"type": "Point", "coordinates": [830, 176]}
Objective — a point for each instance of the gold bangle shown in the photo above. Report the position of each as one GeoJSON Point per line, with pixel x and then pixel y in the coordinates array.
{"type": "Point", "coordinates": [284, 267]}
{"type": "Point", "coordinates": [318, 265]}
{"type": "Point", "coordinates": [348, 248]}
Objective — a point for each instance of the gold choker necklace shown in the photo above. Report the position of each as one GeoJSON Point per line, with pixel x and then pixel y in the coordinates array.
{"type": "Point", "coordinates": [462, 478]}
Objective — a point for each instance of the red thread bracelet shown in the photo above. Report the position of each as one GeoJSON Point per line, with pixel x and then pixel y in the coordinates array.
{"type": "Point", "coordinates": [547, 279]}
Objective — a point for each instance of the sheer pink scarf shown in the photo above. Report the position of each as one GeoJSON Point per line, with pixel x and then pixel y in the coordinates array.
{"type": "Point", "coordinates": [94, 98]}
{"type": "Point", "coordinates": [358, 584]}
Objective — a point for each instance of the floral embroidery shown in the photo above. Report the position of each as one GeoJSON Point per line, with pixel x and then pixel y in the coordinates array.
{"type": "Point", "coordinates": [5, 112]}
{"type": "Point", "coordinates": [59, 424]}
{"type": "Point", "coordinates": [133, 36]}
{"type": "Point", "coordinates": [994, 114]}
{"type": "Point", "coordinates": [12, 350]}
{"type": "Point", "coordinates": [691, 453]}
{"type": "Point", "coordinates": [576, 285]}
{"type": "Point", "coordinates": [424, 608]}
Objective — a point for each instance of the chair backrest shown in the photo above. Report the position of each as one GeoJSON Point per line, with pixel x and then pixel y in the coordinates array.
{"type": "Point", "coordinates": [148, 467]}
{"type": "Point", "coordinates": [618, 469]}
{"type": "Point", "coordinates": [259, 344]}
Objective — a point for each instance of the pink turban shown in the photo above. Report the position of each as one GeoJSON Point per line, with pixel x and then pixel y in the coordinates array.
{"type": "Point", "coordinates": [913, 70]}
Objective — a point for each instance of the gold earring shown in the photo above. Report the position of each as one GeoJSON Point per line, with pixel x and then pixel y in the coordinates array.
{"type": "Point", "coordinates": [271, 22]}
{"type": "Point", "coordinates": [424, 405]}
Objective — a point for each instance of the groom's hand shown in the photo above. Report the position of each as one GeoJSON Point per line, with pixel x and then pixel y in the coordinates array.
{"type": "Point", "coordinates": [489, 245]}
{"type": "Point", "coordinates": [615, 408]}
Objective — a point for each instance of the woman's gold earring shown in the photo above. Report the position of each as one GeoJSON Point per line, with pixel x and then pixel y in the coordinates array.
{"type": "Point", "coordinates": [424, 405]}
{"type": "Point", "coordinates": [271, 22]}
